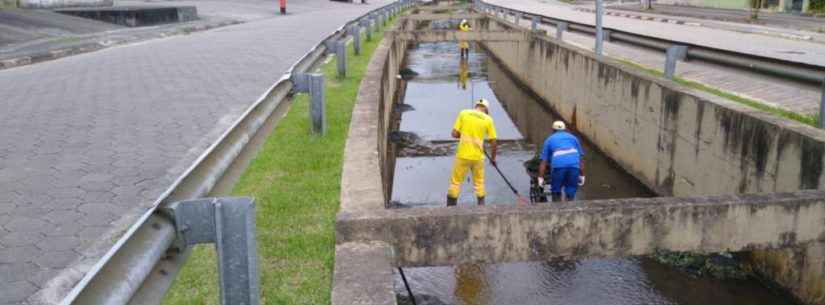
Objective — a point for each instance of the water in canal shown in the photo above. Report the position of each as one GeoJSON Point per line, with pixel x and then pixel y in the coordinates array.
{"type": "Point", "coordinates": [445, 85]}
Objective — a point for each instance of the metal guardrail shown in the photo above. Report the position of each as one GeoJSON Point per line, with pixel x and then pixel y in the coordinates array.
{"type": "Point", "coordinates": [143, 263]}
{"type": "Point", "coordinates": [795, 70]}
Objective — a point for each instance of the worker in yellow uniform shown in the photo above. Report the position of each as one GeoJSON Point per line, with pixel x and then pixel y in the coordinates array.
{"type": "Point", "coordinates": [471, 127]}
{"type": "Point", "coordinates": [463, 45]}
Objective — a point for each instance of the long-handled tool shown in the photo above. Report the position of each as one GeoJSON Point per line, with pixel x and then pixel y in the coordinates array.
{"type": "Point", "coordinates": [409, 291]}
{"type": "Point", "coordinates": [520, 198]}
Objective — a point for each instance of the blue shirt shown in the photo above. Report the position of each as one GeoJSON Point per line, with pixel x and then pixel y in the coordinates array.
{"type": "Point", "coordinates": [562, 149]}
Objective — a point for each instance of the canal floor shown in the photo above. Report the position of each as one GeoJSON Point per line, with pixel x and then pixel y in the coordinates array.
{"type": "Point", "coordinates": [442, 87]}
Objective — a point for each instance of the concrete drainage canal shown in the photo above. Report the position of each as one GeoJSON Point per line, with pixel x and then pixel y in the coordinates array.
{"type": "Point", "coordinates": [666, 171]}
{"type": "Point", "coordinates": [440, 85]}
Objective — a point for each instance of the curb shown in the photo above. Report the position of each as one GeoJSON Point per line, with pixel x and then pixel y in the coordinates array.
{"type": "Point", "coordinates": [642, 17]}
{"type": "Point", "coordinates": [58, 53]}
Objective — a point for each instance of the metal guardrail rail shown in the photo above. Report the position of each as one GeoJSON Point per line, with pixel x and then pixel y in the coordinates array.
{"type": "Point", "coordinates": [143, 263]}
{"type": "Point", "coordinates": [797, 71]}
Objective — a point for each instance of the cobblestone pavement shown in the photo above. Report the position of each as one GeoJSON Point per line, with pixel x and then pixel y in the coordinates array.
{"type": "Point", "coordinates": [769, 90]}
{"type": "Point", "coordinates": [88, 142]}
{"type": "Point", "coordinates": [772, 47]}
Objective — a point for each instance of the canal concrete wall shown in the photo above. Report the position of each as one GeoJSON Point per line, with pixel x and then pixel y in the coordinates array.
{"type": "Point", "coordinates": [679, 141]}
{"type": "Point", "coordinates": [364, 270]}
{"type": "Point", "coordinates": [676, 140]}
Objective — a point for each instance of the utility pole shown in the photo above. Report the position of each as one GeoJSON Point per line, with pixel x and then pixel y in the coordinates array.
{"type": "Point", "coordinates": [599, 30]}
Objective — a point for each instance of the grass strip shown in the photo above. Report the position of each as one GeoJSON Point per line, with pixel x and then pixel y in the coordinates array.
{"type": "Point", "coordinates": [799, 117]}
{"type": "Point", "coordinates": [295, 180]}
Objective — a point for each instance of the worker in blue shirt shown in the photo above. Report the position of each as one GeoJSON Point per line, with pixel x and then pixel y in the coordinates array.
{"type": "Point", "coordinates": [564, 153]}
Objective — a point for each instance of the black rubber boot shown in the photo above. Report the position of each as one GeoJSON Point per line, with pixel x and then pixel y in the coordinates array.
{"type": "Point", "coordinates": [451, 201]}
{"type": "Point", "coordinates": [480, 200]}
{"type": "Point", "coordinates": [556, 197]}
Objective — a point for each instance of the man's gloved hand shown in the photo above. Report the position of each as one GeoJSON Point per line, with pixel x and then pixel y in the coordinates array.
{"type": "Point", "coordinates": [581, 180]}
{"type": "Point", "coordinates": [541, 181]}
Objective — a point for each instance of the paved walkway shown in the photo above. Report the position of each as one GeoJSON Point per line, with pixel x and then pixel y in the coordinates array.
{"type": "Point", "coordinates": [780, 20]}
{"type": "Point", "coordinates": [628, 11]}
{"type": "Point", "coordinates": [89, 141]}
{"type": "Point", "coordinates": [769, 90]}
{"type": "Point", "coordinates": [772, 47]}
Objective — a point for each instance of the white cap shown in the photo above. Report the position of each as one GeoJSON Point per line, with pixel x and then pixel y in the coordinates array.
{"type": "Point", "coordinates": [558, 125]}
{"type": "Point", "coordinates": [483, 102]}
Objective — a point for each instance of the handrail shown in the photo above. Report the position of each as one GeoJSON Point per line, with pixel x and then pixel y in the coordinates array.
{"type": "Point", "coordinates": [797, 71]}
{"type": "Point", "coordinates": [141, 265]}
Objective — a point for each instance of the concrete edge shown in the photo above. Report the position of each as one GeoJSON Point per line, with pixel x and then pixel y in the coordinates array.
{"type": "Point", "coordinates": [361, 179]}
{"type": "Point", "coordinates": [363, 271]}
{"type": "Point", "coordinates": [363, 274]}
{"type": "Point", "coordinates": [585, 229]}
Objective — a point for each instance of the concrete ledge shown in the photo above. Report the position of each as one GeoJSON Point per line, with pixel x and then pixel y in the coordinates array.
{"type": "Point", "coordinates": [363, 274]}
{"type": "Point", "coordinates": [425, 17]}
{"type": "Point", "coordinates": [602, 228]}
{"type": "Point", "coordinates": [441, 35]}
{"type": "Point", "coordinates": [363, 270]}
{"type": "Point", "coordinates": [50, 4]}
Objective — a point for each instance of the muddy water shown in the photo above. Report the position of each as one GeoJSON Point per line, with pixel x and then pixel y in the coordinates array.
{"type": "Point", "coordinates": [443, 87]}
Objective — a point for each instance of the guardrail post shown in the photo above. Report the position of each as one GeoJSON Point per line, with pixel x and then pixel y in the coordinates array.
{"type": "Point", "coordinates": [341, 57]}
{"type": "Point", "coordinates": [560, 28]}
{"type": "Point", "coordinates": [599, 30]}
{"type": "Point", "coordinates": [535, 24]}
{"type": "Point", "coordinates": [822, 107]}
{"type": "Point", "coordinates": [367, 24]}
{"type": "Point", "coordinates": [317, 107]}
{"type": "Point", "coordinates": [674, 54]}
{"type": "Point", "coordinates": [518, 18]}
{"type": "Point", "coordinates": [355, 31]}
{"type": "Point", "coordinates": [229, 223]}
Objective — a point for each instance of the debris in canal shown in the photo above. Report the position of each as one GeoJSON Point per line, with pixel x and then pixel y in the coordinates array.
{"type": "Point", "coordinates": [401, 108]}
{"type": "Point", "coordinates": [407, 74]}
{"type": "Point", "coordinates": [719, 266]}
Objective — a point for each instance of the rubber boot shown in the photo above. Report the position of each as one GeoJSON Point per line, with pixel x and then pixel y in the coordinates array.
{"type": "Point", "coordinates": [451, 201]}
{"type": "Point", "coordinates": [556, 197]}
{"type": "Point", "coordinates": [480, 200]}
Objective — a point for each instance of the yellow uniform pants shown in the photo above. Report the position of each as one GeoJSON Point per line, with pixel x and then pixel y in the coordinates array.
{"type": "Point", "coordinates": [460, 167]}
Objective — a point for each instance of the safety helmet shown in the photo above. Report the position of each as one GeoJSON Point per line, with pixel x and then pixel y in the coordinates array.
{"type": "Point", "coordinates": [558, 125]}
{"type": "Point", "coordinates": [483, 102]}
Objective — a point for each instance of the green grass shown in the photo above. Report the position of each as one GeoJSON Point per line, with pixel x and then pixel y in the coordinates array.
{"type": "Point", "coordinates": [295, 180]}
{"type": "Point", "coordinates": [799, 117]}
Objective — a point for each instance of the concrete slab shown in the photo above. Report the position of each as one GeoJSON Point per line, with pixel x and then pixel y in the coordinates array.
{"type": "Point", "coordinates": [602, 228]}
